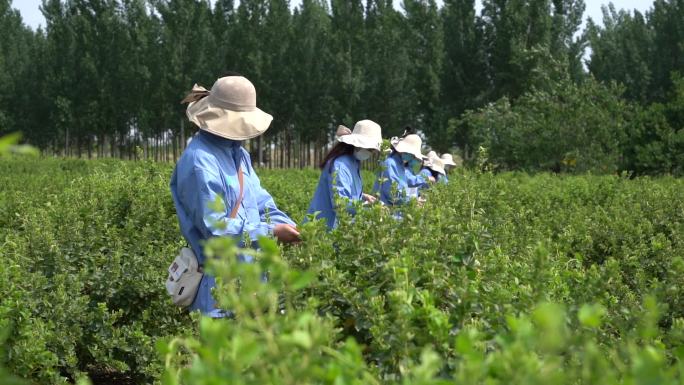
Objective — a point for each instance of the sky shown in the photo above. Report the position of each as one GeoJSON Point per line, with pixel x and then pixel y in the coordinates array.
{"type": "Point", "coordinates": [32, 16]}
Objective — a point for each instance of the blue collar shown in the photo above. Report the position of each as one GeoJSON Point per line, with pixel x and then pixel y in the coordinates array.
{"type": "Point", "coordinates": [397, 157]}
{"type": "Point", "coordinates": [219, 141]}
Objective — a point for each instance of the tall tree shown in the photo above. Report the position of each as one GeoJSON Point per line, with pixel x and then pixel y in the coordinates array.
{"type": "Point", "coordinates": [464, 76]}
{"type": "Point", "coordinates": [16, 56]}
{"type": "Point", "coordinates": [667, 21]}
{"type": "Point", "coordinates": [387, 92]}
{"type": "Point", "coordinates": [349, 62]}
{"type": "Point", "coordinates": [311, 61]}
{"type": "Point", "coordinates": [189, 51]}
{"type": "Point", "coordinates": [425, 40]}
{"type": "Point", "coordinates": [566, 45]}
{"type": "Point", "coordinates": [517, 40]}
{"type": "Point", "coordinates": [622, 51]}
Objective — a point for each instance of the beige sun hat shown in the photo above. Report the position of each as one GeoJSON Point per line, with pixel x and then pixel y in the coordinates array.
{"type": "Point", "coordinates": [229, 110]}
{"type": "Point", "coordinates": [448, 160]}
{"type": "Point", "coordinates": [410, 144]}
{"type": "Point", "coordinates": [432, 155]}
{"type": "Point", "coordinates": [436, 165]}
{"type": "Point", "coordinates": [366, 134]}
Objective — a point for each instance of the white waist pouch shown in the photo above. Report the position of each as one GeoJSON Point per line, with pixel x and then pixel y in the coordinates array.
{"type": "Point", "coordinates": [184, 278]}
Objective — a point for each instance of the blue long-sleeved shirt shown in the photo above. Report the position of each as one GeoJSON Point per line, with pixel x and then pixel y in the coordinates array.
{"type": "Point", "coordinates": [393, 173]}
{"type": "Point", "coordinates": [208, 169]}
{"type": "Point", "coordinates": [339, 178]}
{"type": "Point", "coordinates": [416, 180]}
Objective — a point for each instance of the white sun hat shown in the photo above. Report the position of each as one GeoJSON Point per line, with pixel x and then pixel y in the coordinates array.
{"type": "Point", "coordinates": [366, 134]}
{"type": "Point", "coordinates": [410, 144]}
{"type": "Point", "coordinates": [432, 155]}
{"type": "Point", "coordinates": [228, 110]}
{"type": "Point", "coordinates": [448, 160]}
{"type": "Point", "coordinates": [436, 165]}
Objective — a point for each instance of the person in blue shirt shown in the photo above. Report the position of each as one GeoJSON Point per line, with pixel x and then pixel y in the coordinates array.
{"type": "Point", "coordinates": [341, 170]}
{"type": "Point", "coordinates": [449, 163]}
{"type": "Point", "coordinates": [435, 167]}
{"type": "Point", "coordinates": [209, 168]}
{"type": "Point", "coordinates": [392, 184]}
{"type": "Point", "coordinates": [419, 181]}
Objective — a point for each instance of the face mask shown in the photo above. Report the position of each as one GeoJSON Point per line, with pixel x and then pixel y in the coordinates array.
{"type": "Point", "coordinates": [407, 158]}
{"type": "Point", "coordinates": [362, 154]}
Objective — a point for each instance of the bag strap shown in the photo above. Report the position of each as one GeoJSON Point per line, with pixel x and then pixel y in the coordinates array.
{"type": "Point", "coordinates": [234, 212]}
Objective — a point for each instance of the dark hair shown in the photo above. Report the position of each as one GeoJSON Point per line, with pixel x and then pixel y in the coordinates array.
{"type": "Point", "coordinates": [408, 130]}
{"type": "Point", "coordinates": [338, 150]}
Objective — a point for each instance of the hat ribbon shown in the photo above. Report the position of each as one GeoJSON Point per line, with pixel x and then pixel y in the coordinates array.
{"type": "Point", "coordinates": [197, 93]}
{"type": "Point", "coordinates": [342, 131]}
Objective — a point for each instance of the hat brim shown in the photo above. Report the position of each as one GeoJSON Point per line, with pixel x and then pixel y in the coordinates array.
{"type": "Point", "coordinates": [403, 147]}
{"type": "Point", "coordinates": [235, 125]}
{"type": "Point", "coordinates": [436, 168]}
{"type": "Point", "coordinates": [360, 141]}
{"type": "Point", "coordinates": [448, 162]}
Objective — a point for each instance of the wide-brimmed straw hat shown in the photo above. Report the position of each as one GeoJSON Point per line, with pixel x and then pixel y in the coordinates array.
{"type": "Point", "coordinates": [410, 144]}
{"type": "Point", "coordinates": [448, 160]}
{"type": "Point", "coordinates": [436, 164]}
{"type": "Point", "coordinates": [432, 155]}
{"type": "Point", "coordinates": [366, 134]}
{"type": "Point", "coordinates": [229, 110]}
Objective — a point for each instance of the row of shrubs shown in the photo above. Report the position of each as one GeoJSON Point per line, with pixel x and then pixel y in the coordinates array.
{"type": "Point", "coordinates": [506, 278]}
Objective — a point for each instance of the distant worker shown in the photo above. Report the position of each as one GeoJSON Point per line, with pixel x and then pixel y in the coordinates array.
{"type": "Point", "coordinates": [341, 170]}
{"type": "Point", "coordinates": [449, 163]}
{"type": "Point", "coordinates": [418, 181]}
{"type": "Point", "coordinates": [392, 184]}
{"type": "Point", "coordinates": [435, 167]}
{"type": "Point", "coordinates": [215, 165]}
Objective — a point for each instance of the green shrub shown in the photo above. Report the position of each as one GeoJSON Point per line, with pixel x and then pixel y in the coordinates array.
{"type": "Point", "coordinates": [505, 278]}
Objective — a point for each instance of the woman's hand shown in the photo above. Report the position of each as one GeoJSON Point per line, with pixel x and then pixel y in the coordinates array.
{"type": "Point", "coordinates": [369, 198]}
{"type": "Point", "coordinates": [431, 179]}
{"type": "Point", "coordinates": [286, 233]}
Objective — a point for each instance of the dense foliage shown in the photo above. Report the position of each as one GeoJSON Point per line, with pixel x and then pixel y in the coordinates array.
{"type": "Point", "coordinates": [103, 77]}
{"type": "Point", "coordinates": [505, 278]}
{"type": "Point", "coordinates": [578, 128]}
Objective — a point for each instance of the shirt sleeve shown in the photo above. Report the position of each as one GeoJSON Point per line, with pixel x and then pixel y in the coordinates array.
{"type": "Point", "coordinates": [341, 185]}
{"type": "Point", "coordinates": [414, 180]}
{"type": "Point", "coordinates": [391, 175]}
{"type": "Point", "coordinates": [211, 219]}
{"type": "Point", "coordinates": [268, 211]}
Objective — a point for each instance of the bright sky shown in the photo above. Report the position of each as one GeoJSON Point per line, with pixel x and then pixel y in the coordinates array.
{"type": "Point", "coordinates": [32, 16]}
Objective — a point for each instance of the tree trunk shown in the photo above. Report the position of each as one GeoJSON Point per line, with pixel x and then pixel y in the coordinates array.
{"type": "Point", "coordinates": [281, 149]}
{"type": "Point", "coordinates": [289, 150]}
{"type": "Point", "coordinates": [175, 149]}
{"type": "Point", "coordinates": [260, 150]}
{"type": "Point", "coordinates": [182, 135]}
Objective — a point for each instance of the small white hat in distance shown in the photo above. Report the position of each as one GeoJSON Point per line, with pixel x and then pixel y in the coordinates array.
{"type": "Point", "coordinates": [366, 134]}
{"type": "Point", "coordinates": [410, 144]}
{"type": "Point", "coordinates": [437, 165]}
{"type": "Point", "coordinates": [448, 160]}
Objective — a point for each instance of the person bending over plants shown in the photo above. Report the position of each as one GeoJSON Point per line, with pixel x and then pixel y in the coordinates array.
{"type": "Point", "coordinates": [341, 170]}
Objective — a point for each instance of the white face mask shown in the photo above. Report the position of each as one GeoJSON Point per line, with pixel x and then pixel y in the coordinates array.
{"type": "Point", "coordinates": [362, 154]}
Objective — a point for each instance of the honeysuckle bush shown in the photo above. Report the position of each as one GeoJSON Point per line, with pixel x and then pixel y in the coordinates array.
{"type": "Point", "coordinates": [498, 278]}
{"type": "Point", "coordinates": [488, 247]}
{"type": "Point", "coordinates": [281, 337]}
{"type": "Point", "coordinates": [84, 247]}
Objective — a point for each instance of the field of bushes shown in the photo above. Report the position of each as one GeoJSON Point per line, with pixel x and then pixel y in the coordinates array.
{"type": "Point", "coordinates": [502, 278]}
